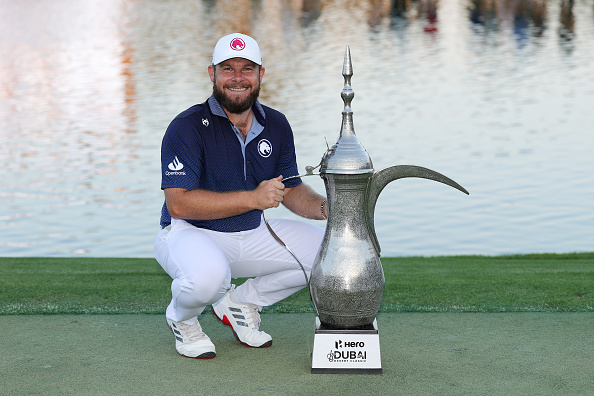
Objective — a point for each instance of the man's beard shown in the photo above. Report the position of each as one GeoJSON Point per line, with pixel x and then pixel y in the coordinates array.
{"type": "Point", "coordinates": [235, 107]}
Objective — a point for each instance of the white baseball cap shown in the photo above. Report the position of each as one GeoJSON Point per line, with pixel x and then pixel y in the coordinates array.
{"type": "Point", "coordinates": [236, 45]}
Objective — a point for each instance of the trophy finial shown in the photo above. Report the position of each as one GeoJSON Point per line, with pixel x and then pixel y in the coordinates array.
{"type": "Point", "coordinates": [347, 67]}
{"type": "Point", "coordinates": [347, 72]}
{"type": "Point", "coordinates": [347, 155]}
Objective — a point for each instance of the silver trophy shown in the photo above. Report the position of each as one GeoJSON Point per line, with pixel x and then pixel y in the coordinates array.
{"type": "Point", "coordinates": [347, 278]}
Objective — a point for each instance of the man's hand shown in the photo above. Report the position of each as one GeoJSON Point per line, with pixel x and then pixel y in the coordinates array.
{"type": "Point", "coordinates": [270, 193]}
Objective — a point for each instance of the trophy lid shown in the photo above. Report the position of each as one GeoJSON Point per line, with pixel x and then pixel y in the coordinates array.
{"type": "Point", "coordinates": [347, 155]}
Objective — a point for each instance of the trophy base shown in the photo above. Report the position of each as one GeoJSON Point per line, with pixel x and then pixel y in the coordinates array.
{"type": "Point", "coordinates": [346, 351]}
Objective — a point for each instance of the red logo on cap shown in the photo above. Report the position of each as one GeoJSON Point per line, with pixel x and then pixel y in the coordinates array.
{"type": "Point", "coordinates": [237, 44]}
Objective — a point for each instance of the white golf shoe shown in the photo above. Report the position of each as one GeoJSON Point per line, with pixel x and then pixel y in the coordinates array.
{"type": "Point", "coordinates": [244, 320]}
{"type": "Point", "coordinates": [190, 340]}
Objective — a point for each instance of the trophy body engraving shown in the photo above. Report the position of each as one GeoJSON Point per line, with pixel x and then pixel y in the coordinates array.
{"type": "Point", "coordinates": [347, 279]}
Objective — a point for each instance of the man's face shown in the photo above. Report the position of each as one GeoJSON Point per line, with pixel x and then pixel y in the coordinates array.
{"type": "Point", "coordinates": [236, 84]}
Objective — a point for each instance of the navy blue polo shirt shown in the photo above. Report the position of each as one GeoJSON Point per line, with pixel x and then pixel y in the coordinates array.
{"type": "Point", "coordinates": [202, 149]}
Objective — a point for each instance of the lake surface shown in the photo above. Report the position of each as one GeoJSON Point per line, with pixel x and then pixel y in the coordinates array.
{"type": "Point", "coordinates": [497, 95]}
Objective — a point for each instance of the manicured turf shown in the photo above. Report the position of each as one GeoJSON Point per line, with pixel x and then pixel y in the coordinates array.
{"type": "Point", "coordinates": [523, 283]}
{"type": "Point", "coordinates": [422, 353]}
{"type": "Point", "coordinates": [520, 353]}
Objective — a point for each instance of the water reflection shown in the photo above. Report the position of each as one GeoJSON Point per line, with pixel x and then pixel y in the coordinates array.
{"type": "Point", "coordinates": [494, 93]}
{"type": "Point", "coordinates": [310, 12]}
{"type": "Point", "coordinates": [525, 17]}
{"type": "Point", "coordinates": [401, 12]}
{"type": "Point", "coordinates": [566, 26]}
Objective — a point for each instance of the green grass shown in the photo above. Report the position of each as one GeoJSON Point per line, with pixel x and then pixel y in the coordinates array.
{"type": "Point", "coordinates": [82, 285]}
{"type": "Point", "coordinates": [540, 283]}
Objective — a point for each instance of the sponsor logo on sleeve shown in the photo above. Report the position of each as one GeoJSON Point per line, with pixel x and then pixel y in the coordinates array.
{"type": "Point", "coordinates": [175, 166]}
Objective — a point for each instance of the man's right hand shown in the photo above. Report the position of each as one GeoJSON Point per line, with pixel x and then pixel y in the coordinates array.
{"type": "Point", "coordinates": [270, 193]}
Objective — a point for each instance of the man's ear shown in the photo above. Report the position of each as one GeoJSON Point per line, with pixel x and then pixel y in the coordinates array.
{"type": "Point", "coordinates": [211, 72]}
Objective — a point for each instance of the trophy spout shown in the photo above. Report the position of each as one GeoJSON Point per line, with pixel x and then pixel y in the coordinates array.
{"type": "Point", "coordinates": [381, 179]}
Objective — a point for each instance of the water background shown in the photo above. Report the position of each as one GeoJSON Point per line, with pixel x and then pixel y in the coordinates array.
{"type": "Point", "coordinates": [497, 95]}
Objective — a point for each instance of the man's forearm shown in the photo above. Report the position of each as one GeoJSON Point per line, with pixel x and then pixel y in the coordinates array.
{"type": "Point", "coordinates": [305, 202]}
{"type": "Point", "coordinates": [210, 205]}
{"type": "Point", "coordinates": [207, 205]}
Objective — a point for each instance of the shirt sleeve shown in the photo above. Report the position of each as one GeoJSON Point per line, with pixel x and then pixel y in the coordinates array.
{"type": "Point", "coordinates": [181, 157]}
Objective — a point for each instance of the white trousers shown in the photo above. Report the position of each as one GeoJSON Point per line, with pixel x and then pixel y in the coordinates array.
{"type": "Point", "coordinates": [202, 262]}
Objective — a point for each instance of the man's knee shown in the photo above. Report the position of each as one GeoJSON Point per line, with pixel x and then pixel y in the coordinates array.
{"type": "Point", "coordinates": [203, 290]}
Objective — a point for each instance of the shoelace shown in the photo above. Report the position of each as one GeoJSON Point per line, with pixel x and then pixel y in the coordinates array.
{"type": "Point", "coordinates": [192, 332]}
{"type": "Point", "coordinates": [252, 316]}
{"type": "Point", "coordinates": [250, 312]}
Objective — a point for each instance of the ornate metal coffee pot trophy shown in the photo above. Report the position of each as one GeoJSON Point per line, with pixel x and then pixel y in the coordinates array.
{"type": "Point", "coordinates": [347, 278]}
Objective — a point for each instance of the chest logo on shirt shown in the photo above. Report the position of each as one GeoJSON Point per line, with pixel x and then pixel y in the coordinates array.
{"type": "Point", "coordinates": [264, 148]}
{"type": "Point", "coordinates": [205, 122]}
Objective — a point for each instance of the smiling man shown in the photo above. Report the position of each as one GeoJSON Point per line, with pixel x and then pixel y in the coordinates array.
{"type": "Point", "coordinates": [223, 163]}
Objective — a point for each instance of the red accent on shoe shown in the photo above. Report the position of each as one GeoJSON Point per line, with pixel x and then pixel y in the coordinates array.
{"type": "Point", "coordinates": [226, 321]}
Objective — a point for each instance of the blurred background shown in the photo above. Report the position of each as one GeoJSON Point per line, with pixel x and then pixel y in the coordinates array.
{"type": "Point", "coordinates": [496, 94]}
